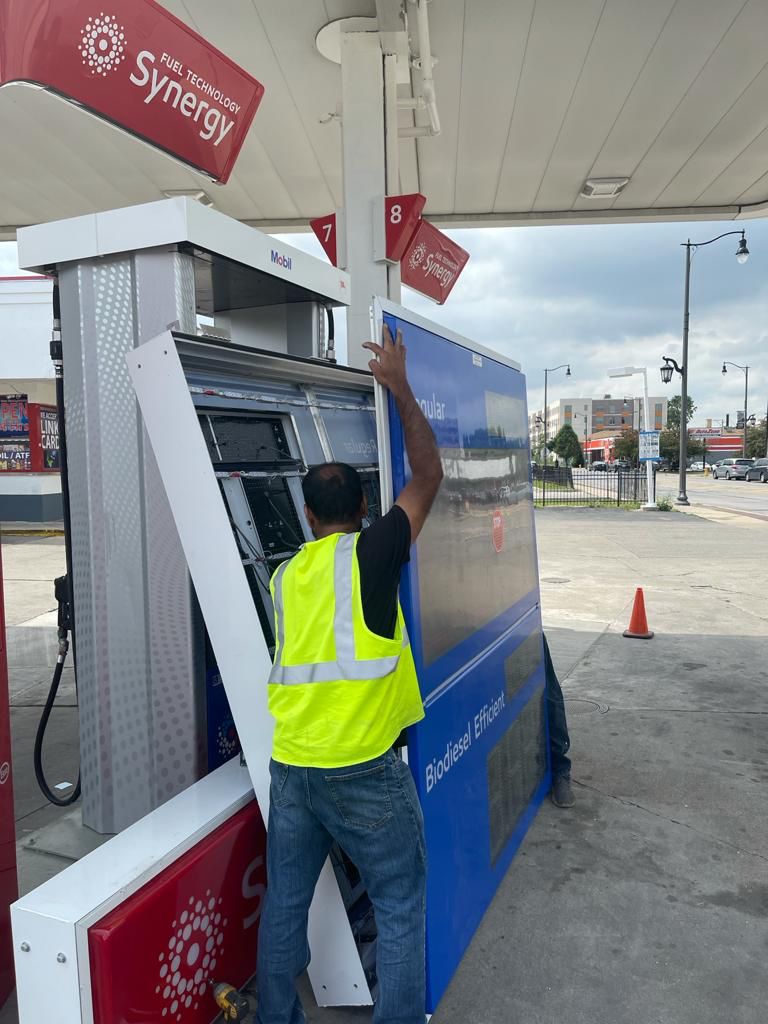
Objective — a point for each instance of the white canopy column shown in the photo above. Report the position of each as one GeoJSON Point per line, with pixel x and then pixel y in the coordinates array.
{"type": "Point", "coordinates": [370, 166]}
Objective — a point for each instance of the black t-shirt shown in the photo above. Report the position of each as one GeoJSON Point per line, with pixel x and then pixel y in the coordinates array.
{"type": "Point", "coordinates": [382, 550]}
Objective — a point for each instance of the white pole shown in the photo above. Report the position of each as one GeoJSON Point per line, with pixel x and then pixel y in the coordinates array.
{"type": "Point", "coordinates": [651, 480]}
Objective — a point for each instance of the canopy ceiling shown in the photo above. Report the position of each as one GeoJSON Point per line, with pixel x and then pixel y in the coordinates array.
{"type": "Point", "coordinates": [534, 97]}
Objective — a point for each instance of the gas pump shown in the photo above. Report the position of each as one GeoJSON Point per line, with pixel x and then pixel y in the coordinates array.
{"type": "Point", "coordinates": [199, 484]}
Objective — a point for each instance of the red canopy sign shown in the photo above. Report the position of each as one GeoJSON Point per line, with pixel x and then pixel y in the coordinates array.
{"type": "Point", "coordinates": [325, 231]}
{"type": "Point", "coordinates": [137, 66]}
{"type": "Point", "coordinates": [401, 218]}
{"type": "Point", "coordinates": [432, 262]}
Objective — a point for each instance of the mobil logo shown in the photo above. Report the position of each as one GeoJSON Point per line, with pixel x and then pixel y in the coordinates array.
{"type": "Point", "coordinates": [281, 260]}
{"type": "Point", "coordinates": [497, 531]}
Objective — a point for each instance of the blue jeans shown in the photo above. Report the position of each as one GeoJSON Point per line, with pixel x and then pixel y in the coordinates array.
{"type": "Point", "coordinates": [371, 810]}
{"type": "Point", "coordinates": [559, 740]}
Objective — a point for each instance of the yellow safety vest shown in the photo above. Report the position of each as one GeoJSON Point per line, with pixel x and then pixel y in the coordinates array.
{"type": "Point", "coordinates": [339, 693]}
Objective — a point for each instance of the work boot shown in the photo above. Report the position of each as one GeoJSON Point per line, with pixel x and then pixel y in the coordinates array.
{"type": "Point", "coordinates": [562, 793]}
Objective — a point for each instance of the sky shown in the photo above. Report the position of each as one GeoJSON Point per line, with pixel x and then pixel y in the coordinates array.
{"type": "Point", "coordinates": [599, 297]}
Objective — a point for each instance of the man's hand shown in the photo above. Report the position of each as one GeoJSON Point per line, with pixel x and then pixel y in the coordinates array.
{"type": "Point", "coordinates": [417, 496]}
{"type": "Point", "coordinates": [389, 368]}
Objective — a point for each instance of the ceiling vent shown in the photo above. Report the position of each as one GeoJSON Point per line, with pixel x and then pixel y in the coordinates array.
{"type": "Point", "coordinates": [603, 188]}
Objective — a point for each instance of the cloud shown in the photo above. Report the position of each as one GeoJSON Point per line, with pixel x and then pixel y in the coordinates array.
{"type": "Point", "coordinates": [603, 296]}
{"type": "Point", "coordinates": [611, 295]}
{"type": "Point", "coordinates": [9, 266]}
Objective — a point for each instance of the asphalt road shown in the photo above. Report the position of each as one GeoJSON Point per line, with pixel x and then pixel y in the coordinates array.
{"type": "Point", "coordinates": [730, 495]}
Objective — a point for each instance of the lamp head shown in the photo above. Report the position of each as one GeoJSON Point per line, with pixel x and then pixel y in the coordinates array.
{"type": "Point", "coordinates": [568, 371]}
{"type": "Point", "coordinates": [666, 373]}
{"type": "Point", "coordinates": [742, 253]}
{"type": "Point", "coordinates": [725, 368]}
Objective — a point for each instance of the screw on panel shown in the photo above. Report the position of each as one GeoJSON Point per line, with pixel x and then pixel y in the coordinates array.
{"type": "Point", "coordinates": [61, 958]}
{"type": "Point", "coordinates": [25, 947]}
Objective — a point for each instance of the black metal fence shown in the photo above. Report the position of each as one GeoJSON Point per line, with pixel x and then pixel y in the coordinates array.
{"type": "Point", "coordinates": [553, 486]}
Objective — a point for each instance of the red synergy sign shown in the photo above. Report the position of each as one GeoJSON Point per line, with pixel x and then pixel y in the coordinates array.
{"type": "Point", "coordinates": [136, 66]}
{"type": "Point", "coordinates": [432, 262]}
{"type": "Point", "coordinates": [155, 957]}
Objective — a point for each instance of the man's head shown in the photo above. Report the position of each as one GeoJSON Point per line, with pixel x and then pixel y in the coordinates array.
{"type": "Point", "coordinates": [334, 500]}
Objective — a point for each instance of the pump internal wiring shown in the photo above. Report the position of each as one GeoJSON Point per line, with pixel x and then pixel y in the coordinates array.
{"type": "Point", "coordinates": [255, 558]}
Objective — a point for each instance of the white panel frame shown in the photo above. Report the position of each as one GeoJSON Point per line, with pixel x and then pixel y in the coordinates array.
{"type": "Point", "coordinates": [382, 306]}
{"type": "Point", "coordinates": [233, 625]}
{"type": "Point", "coordinates": [171, 222]}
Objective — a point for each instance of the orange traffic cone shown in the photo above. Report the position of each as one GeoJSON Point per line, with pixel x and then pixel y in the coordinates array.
{"type": "Point", "coordinates": [638, 624]}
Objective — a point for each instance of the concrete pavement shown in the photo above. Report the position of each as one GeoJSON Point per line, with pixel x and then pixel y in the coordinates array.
{"type": "Point", "coordinates": [719, 495]}
{"type": "Point", "coordinates": [647, 903]}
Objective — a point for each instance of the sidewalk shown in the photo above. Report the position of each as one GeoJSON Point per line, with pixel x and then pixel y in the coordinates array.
{"type": "Point", "coordinates": [647, 903]}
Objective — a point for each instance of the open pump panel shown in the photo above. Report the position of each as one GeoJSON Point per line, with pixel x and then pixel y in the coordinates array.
{"type": "Point", "coordinates": [266, 419]}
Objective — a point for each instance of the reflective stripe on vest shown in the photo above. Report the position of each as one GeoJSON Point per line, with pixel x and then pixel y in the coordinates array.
{"type": "Point", "coordinates": [346, 666]}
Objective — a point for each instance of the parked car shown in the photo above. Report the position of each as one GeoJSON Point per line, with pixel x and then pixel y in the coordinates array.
{"type": "Point", "coordinates": [619, 466]}
{"type": "Point", "coordinates": [731, 469]}
{"type": "Point", "coordinates": [696, 467]}
{"type": "Point", "coordinates": [758, 471]}
{"type": "Point", "coordinates": [599, 467]}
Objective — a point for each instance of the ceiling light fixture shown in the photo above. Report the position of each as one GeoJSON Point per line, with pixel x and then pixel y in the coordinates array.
{"type": "Point", "coordinates": [603, 188]}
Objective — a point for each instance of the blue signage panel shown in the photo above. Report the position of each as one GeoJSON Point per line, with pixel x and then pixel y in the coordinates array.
{"type": "Point", "coordinates": [470, 595]}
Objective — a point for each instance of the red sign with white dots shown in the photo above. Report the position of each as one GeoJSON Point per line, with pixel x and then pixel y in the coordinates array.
{"type": "Point", "coordinates": [137, 66]}
{"type": "Point", "coordinates": [155, 957]}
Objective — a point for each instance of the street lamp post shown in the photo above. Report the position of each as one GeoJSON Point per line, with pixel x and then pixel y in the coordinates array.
{"type": "Point", "coordinates": [546, 375]}
{"type": "Point", "coordinates": [583, 415]}
{"type": "Point", "coordinates": [742, 255]}
{"type": "Point", "coordinates": [628, 371]}
{"type": "Point", "coordinates": [745, 371]}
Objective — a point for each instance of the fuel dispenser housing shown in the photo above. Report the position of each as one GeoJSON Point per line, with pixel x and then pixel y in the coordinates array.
{"type": "Point", "coordinates": [222, 332]}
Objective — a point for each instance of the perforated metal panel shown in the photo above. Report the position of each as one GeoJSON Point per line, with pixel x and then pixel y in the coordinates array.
{"type": "Point", "coordinates": [516, 766]}
{"type": "Point", "coordinates": [522, 662]}
{"type": "Point", "coordinates": [137, 663]}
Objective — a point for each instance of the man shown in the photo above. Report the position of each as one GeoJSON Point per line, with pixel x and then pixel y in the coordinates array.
{"type": "Point", "coordinates": [559, 740]}
{"type": "Point", "coordinates": [342, 688]}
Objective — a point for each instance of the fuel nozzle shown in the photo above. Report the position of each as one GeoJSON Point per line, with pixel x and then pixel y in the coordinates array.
{"type": "Point", "coordinates": [233, 1003]}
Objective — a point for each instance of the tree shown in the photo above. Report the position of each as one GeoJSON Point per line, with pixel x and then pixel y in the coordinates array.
{"type": "Point", "coordinates": [627, 446]}
{"type": "Point", "coordinates": [669, 447]}
{"type": "Point", "coordinates": [673, 411]}
{"type": "Point", "coordinates": [566, 444]}
{"type": "Point", "coordinates": [757, 438]}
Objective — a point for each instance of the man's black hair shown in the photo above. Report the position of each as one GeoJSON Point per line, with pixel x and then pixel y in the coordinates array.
{"type": "Point", "coordinates": [333, 493]}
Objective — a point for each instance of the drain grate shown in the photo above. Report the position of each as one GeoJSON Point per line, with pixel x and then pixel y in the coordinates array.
{"type": "Point", "coordinates": [581, 706]}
